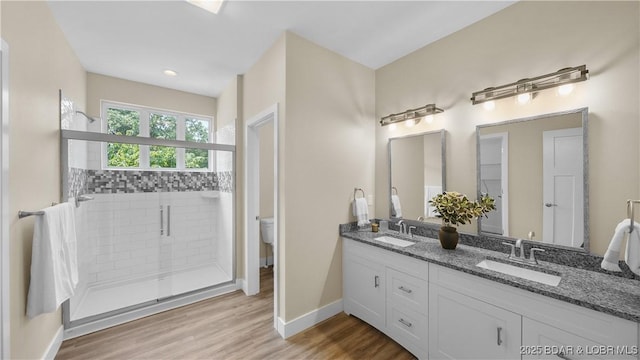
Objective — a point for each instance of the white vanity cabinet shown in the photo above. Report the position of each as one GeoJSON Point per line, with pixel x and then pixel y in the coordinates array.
{"type": "Point", "coordinates": [388, 291]}
{"type": "Point", "coordinates": [466, 310]}
{"type": "Point", "coordinates": [461, 327]}
{"type": "Point", "coordinates": [363, 286]}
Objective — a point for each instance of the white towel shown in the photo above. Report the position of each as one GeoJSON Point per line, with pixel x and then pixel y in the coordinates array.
{"type": "Point", "coordinates": [361, 211]}
{"type": "Point", "coordinates": [54, 262]}
{"type": "Point", "coordinates": [396, 209]}
{"type": "Point", "coordinates": [632, 256]}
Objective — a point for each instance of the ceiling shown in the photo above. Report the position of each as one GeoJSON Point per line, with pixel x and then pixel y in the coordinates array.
{"type": "Point", "coordinates": [137, 40]}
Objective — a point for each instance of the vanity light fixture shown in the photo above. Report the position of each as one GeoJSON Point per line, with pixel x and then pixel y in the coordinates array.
{"type": "Point", "coordinates": [212, 6]}
{"type": "Point", "coordinates": [412, 114]}
{"type": "Point", "coordinates": [525, 89]}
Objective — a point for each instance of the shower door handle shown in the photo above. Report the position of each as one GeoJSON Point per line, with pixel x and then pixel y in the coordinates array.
{"type": "Point", "coordinates": [161, 220]}
{"type": "Point", "coordinates": [168, 220]}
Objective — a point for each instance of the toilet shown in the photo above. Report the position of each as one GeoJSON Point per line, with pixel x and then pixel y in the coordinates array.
{"type": "Point", "coordinates": [266, 230]}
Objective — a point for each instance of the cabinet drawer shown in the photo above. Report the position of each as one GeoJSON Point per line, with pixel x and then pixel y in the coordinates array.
{"type": "Point", "coordinates": [407, 290]}
{"type": "Point", "coordinates": [409, 328]}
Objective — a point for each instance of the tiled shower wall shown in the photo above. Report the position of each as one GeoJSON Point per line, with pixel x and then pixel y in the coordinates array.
{"type": "Point", "coordinates": [122, 239]}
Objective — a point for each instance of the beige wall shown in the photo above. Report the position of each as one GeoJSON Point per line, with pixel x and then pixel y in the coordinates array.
{"type": "Point", "coordinates": [263, 86]}
{"type": "Point", "coordinates": [101, 87]}
{"type": "Point", "coordinates": [328, 150]}
{"type": "Point", "coordinates": [525, 40]}
{"type": "Point", "coordinates": [40, 63]}
{"type": "Point", "coordinates": [525, 170]}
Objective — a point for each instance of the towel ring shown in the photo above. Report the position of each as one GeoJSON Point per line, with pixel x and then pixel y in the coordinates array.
{"type": "Point", "coordinates": [393, 188]}
{"type": "Point", "coordinates": [355, 192]}
{"type": "Point", "coordinates": [630, 205]}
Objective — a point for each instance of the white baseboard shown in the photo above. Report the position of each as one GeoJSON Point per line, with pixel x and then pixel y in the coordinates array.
{"type": "Point", "coordinates": [54, 345]}
{"type": "Point", "coordinates": [309, 319]}
{"type": "Point", "coordinates": [242, 285]}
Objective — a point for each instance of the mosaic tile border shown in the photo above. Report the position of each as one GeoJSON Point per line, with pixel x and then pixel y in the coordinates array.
{"type": "Point", "coordinates": [128, 182]}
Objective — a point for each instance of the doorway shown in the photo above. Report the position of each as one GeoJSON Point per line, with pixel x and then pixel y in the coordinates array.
{"type": "Point", "coordinates": [255, 185]}
{"type": "Point", "coordinates": [563, 193]}
{"type": "Point", "coordinates": [494, 173]}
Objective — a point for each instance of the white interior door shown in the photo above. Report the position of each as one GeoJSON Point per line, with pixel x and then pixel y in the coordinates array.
{"type": "Point", "coordinates": [563, 187]}
{"type": "Point", "coordinates": [494, 180]}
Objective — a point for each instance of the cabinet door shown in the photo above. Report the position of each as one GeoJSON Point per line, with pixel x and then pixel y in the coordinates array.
{"type": "Point", "coordinates": [461, 327]}
{"type": "Point", "coordinates": [542, 341]}
{"type": "Point", "coordinates": [364, 285]}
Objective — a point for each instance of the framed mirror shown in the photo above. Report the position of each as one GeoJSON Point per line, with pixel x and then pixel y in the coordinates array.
{"type": "Point", "coordinates": [536, 169]}
{"type": "Point", "coordinates": [416, 174]}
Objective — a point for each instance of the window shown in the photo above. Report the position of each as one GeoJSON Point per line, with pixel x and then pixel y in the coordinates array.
{"type": "Point", "coordinates": [158, 124]}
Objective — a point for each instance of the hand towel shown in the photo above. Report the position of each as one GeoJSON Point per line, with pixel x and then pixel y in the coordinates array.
{"type": "Point", "coordinates": [396, 209]}
{"type": "Point", "coordinates": [54, 263]}
{"type": "Point", "coordinates": [361, 211]}
{"type": "Point", "coordinates": [612, 255]}
{"type": "Point", "coordinates": [632, 255]}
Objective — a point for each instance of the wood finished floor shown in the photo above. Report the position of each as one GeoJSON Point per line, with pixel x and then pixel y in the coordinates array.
{"type": "Point", "coordinates": [232, 326]}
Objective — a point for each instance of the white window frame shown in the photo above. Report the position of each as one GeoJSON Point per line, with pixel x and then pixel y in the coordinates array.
{"type": "Point", "coordinates": [145, 112]}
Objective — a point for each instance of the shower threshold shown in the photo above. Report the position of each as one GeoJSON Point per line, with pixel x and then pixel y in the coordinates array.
{"type": "Point", "coordinates": [103, 299]}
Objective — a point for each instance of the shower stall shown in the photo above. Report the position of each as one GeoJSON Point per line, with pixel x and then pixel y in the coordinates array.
{"type": "Point", "coordinates": [147, 238]}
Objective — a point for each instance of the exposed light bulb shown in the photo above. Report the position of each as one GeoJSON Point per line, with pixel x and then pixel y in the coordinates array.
{"type": "Point", "coordinates": [410, 123]}
{"type": "Point", "coordinates": [524, 98]}
{"type": "Point", "coordinates": [428, 119]}
{"type": "Point", "coordinates": [489, 105]}
{"type": "Point", "coordinates": [392, 127]}
{"type": "Point", "coordinates": [565, 89]}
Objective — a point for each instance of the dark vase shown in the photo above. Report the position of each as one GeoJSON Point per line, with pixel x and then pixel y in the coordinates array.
{"type": "Point", "coordinates": [448, 237]}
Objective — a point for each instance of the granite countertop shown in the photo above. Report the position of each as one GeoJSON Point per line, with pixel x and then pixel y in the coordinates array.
{"type": "Point", "coordinates": [601, 292]}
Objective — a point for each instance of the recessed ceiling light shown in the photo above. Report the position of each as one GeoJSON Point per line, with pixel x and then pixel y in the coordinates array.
{"type": "Point", "coordinates": [212, 6]}
{"type": "Point", "coordinates": [169, 72]}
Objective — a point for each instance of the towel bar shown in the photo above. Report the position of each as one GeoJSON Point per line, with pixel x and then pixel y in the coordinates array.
{"type": "Point", "coordinates": [355, 192]}
{"type": "Point", "coordinates": [24, 214]}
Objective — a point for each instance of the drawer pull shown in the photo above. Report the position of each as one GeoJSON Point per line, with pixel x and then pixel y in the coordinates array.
{"type": "Point", "coordinates": [499, 335]}
{"type": "Point", "coordinates": [405, 322]}
{"type": "Point", "coordinates": [376, 281]}
{"type": "Point", "coordinates": [408, 291]}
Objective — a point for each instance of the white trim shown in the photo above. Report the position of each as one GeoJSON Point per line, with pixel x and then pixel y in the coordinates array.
{"type": "Point", "coordinates": [54, 345]}
{"type": "Point", "coordinates": [309, 319]}
{"type": "Point", "coordinates": [251, 205]}
{"type": "Point", "coordinates": [146, 311]}
{"type": "Point", "coordinates": [5, 330]}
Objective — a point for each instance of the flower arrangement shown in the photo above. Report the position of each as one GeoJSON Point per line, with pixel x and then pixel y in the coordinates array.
{"type": "Point", "coordinates": [456, 209]}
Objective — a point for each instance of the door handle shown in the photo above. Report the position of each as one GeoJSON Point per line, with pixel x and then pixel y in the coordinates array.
{"type": "Point", "coordinates": [408, 291]}
{"type": "Point", "coordinates": [376, 281]}
{"type": "Point", "coordinates": [499, 341]}
{"type": "Point", "coordinates": [550, 204]}
{"type": "Point", "coordinates": [405, 322]}
{"type": "Point", "coordinates": [161, 220]}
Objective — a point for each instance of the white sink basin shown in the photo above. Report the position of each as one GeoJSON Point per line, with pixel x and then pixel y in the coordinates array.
{"type": "Point", "coordinates": [394, 241]}
{"type": "Point", "coordinates": [524, 273]}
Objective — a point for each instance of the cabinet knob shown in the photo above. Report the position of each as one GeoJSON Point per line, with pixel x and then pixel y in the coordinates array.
{"type": "Point", "coordinates": [499, 336]}
{"type": "Point", "coordinates": [405, 322]}
{"type": "Point", "coordinates": [408, 291]}
{"type": "Point", "coordinates": [376, 281]}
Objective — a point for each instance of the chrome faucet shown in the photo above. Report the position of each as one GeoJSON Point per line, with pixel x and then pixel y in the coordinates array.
{"type": "Point", "coordinates": [403, 227]}
{"type": "Point", "coordinates": [522, 258]}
